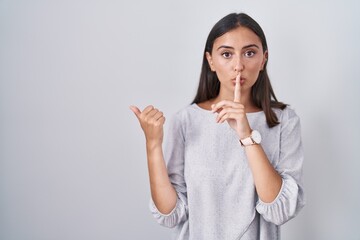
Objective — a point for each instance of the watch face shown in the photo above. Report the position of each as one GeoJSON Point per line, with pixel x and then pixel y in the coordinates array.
{"type": "Point", "coordinates": [255, 135]}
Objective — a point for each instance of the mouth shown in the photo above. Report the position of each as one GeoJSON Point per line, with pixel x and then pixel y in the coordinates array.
{"type": "Point", "coordinates": [242, 80]}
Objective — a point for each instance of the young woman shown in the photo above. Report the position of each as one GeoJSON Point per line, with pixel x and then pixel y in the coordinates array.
{"type": "Point", "coordinates": [234, 156]}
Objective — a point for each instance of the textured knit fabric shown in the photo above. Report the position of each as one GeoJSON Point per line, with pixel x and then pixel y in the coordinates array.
{"type": "Point", "coordinates": [208, 167]}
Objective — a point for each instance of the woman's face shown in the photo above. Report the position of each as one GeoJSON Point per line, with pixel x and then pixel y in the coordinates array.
{"type": "Point", "coordinates": [239, 50]}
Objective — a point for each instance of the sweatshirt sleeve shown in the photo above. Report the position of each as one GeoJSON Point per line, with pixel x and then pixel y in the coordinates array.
{"type": "Point", "coordinates": [290, 199]}
{"type": "Point", "coordinates": [174, 156]}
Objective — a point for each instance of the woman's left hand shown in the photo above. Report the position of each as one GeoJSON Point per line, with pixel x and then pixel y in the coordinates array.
{"type": "Point", "coordinates": [233, 112]}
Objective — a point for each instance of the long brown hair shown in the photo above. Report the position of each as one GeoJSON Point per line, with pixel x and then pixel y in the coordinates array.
{"type": "Point", "coordinates": [262, 93]}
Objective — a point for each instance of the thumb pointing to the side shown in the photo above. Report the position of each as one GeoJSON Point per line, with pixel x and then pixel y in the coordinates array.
{"type": "Point", "coordinates": [136, 111]}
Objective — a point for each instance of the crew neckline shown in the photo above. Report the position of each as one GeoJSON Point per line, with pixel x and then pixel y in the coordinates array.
{"type": "Point", "coordinates": [196, 106]}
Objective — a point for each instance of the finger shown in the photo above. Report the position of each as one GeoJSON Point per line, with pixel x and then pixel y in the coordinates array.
{"type": "Point", "coordinates": [237, 93]}
{"type": "Point", "coordinates": [135, 110]}
{"type": "Point", "coordinates": [151, 114]}
{"type": "Point", "coordinates": [222, 104]}
{"type": "Point", "coordinates": [224, 117]}
{"type": "Point", "coordinates": [158, 115]}
{"type": "Point", "coordinates": [162, 120]}
{"type": "Point", "coordinates": [228, 116]}
{"type": "Point", "coordinates": [147, 109]}
{"type": "Point", "coordinates": [218, 110]}
{"type": "Point", "coordinates": [227, 111]}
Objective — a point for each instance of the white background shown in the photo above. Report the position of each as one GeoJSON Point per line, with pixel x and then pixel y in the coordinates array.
{"type": "Point", "coordinates": [72, 155]}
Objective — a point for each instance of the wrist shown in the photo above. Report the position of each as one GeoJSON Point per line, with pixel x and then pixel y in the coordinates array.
{"type": "Point", "coordinates": [153, 145]}
{"type": "Point", "coordinates": [245, 133]}
{"type": "Point", "coordinates": [254, 138]}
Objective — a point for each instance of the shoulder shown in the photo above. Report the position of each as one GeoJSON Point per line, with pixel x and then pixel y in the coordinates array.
{"type": "Point", "coordinates": [180, 116]}
{"type": "Point", "coordinates": [179, 121]}
{"type": "Point", "coordinates": [183, 111]}
{"type": "Point", "coordinates": [286, 113]}
{"type": "Point", "coordinates": [287, 117]}
{"type": "Point", "coordinates": [190, 116]}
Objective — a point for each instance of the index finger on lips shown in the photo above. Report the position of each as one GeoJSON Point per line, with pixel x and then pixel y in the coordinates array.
{"type": "Point", "coordinates": [237, 92]}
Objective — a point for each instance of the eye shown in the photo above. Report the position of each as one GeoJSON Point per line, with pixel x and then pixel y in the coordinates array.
{"type": "Point", "coordinates": [226, 54]}
{"type": "Point", "coordinates": [249, 53]}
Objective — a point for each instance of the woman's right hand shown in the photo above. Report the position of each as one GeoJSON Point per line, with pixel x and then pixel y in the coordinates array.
{"type": "Point", "coordinates": [162, 191]}
{"type": "Point", "coordinates": [151, 121]}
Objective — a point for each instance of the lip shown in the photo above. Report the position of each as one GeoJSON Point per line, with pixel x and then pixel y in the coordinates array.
{"type": "Point", "coordinates": [242, 80]}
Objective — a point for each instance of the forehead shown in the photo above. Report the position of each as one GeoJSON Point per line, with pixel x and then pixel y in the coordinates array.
{"type": "Point", "coordinates": [237, 38]}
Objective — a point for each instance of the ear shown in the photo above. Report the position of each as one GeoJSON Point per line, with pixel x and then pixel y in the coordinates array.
{"type": "Point", "coordinates": [264, 60]}
{"type": "Point", "coordinates": [209, 59]}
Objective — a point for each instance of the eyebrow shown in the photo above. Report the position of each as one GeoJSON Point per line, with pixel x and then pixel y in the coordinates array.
{"type": "Point", "coordinates": [247, 46]}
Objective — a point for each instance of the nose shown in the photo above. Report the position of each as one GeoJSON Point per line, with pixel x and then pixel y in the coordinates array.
{"type": "Point", "coordinates": [238, 65]}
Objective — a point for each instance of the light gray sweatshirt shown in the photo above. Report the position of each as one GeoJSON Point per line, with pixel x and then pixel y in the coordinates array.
{"type": "Point", "coordinates": [217, 199]}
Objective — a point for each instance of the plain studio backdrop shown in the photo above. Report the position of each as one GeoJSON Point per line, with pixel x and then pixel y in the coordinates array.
{"type": "Point", "coordinates": [72, 154]}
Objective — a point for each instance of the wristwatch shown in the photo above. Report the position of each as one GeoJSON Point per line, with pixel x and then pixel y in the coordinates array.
{"type": "Point", "coordinates": [254, 138]}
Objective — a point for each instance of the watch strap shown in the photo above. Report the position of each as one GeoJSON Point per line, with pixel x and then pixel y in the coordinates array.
{"type": "Point", "coordinates": [246, 141]}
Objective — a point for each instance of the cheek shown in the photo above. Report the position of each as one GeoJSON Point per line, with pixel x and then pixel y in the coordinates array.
{"type": "Point", "coordinates": [222, 66]}
{"type": "Point", "coordinates": [222, 70]}
{"type": "Point", "coordinates": [255, 66]}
